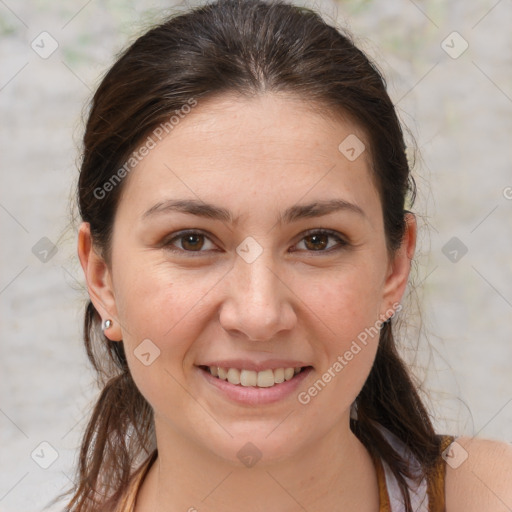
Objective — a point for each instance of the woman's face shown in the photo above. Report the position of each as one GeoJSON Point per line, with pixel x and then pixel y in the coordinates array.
{"type": "Point", "coordinates": [254, 288]}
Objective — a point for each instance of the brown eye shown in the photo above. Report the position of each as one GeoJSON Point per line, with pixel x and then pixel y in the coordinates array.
{"type": "Point", "coordinates": [192, 242]}
{"type": "Point", "coordinates": [317, 241]}
{"type": "Point", "coordinates": [195, 241]}
{"type": "Point", "coordinates": [188, 241]}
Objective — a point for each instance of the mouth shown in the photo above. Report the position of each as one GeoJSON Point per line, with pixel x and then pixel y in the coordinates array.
{"type": "Point", "coordinates": [251, 379]}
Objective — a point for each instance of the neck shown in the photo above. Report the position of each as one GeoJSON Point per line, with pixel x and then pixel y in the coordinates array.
{"type": "Point", "coordinates": [332, 473]}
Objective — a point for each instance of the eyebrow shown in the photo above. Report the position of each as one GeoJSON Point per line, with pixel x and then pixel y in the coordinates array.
{"type": "Point", "coordinates": [292, 214]}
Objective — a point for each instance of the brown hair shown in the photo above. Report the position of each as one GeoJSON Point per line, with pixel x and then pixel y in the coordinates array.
{"type": "Point", "coordinates": [245, 47]}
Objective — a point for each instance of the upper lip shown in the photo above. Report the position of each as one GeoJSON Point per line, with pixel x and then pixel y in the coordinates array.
{"type": "Point", "coordinates": [247, 364]}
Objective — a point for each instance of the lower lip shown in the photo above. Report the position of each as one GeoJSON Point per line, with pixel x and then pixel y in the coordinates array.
{"type": "Point", "coordinates": [252, 395]}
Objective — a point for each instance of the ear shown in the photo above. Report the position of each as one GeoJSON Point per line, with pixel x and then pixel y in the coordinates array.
{"type": "Point", "coordinates": [99, 282]}
{"type": "Point", "coordinates": [399, 268]}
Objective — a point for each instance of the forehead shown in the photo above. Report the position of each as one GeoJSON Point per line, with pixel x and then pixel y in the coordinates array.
{"type": "Point", "coordinates": [257, 152]}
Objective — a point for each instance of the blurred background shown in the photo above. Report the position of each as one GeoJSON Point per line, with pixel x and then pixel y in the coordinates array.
{"type": "Point", "coordinates": [449, 72]}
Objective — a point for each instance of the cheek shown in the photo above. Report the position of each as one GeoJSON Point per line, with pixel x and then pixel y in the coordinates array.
{"type": "Point", "coordinates": [164, 304]}
{"type": "Point", "coordinates": [347, 339]}
{"type": "Point", "coordinates": [346, 301]}
{"type": "Point", "coordinates": [162, 312]}
{"type": "Point", "coordinates": [346, 305]}
{"type": "Point", "coordinates": [171, 305]}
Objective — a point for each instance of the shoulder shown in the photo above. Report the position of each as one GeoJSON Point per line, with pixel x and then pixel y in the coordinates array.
{"type": "Point", "coordinates": [478, 475]}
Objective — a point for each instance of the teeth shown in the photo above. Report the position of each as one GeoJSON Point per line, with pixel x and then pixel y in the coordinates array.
{"type": "Point", "coordinates": [289, 373]}
{"type": "Point", "coordinates": [233, 376]}
{"type": "Point", "coordinates": [263, 379]}
{"type": "Point", "coordinates": [279, 375]}
{"type": "Point", "coordinates": [248, 378]}
{"type": "Point", "coordinates": [266, 379]}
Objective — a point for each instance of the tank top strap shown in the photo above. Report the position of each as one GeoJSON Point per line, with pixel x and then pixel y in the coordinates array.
{"type": "Point", "coordinates": [436, 478]}
{"type": "Point", "coordinates": [435, 482]}
{"type": "Point", "coordinates": [433, 485]}
{"type": "Point", "coordinates": [384, 502]}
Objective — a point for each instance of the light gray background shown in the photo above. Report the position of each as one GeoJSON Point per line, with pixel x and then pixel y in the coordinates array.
{"type": "Point", "coordinates": [459, 110]}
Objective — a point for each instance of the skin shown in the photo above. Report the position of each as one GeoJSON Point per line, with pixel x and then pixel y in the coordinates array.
{"type": "Point", "coordinates": [256, 158]}
{"type": "Point", "coordinates": [484, 480]}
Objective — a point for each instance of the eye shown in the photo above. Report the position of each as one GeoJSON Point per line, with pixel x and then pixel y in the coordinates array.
{"type": "Point", "coordinates": [194, 241]}
{"type": "Point", "coordinates": [317, 240]}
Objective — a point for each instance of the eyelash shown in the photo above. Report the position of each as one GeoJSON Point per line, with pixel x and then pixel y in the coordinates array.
{"type": "Point", "coordinates": [341, 242]}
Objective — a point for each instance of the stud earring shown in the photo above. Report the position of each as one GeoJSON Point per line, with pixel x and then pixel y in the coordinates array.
{"type": "Point", "coordinates": [107, 324]}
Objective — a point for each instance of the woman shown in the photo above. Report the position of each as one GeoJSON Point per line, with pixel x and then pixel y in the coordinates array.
{"type": "Point", "coordinates": [246, 246]}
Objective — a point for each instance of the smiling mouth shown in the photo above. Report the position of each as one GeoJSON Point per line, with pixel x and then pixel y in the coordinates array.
{"type": "Point", "coordinates": [249, 378]}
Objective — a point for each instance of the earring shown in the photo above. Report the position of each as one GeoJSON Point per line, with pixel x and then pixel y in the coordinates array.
{"type": "Point", "coordinates": [107, 324]}
{"type": "Point", "coordinates": [353, 410]}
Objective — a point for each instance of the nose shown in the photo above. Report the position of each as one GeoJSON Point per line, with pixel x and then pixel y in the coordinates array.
{"type": "Point", "coordinates": [259, 302]}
